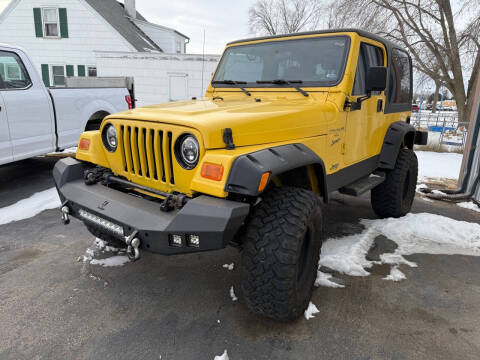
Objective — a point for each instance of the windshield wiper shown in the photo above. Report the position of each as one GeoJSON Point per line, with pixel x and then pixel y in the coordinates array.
{"type": "Point", "coordinates": [285, 82]}
{"type": "Point", "coordinates": [233, 82]}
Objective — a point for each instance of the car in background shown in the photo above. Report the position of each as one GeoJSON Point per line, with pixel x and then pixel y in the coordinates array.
{"type": "Point", "coordinates": [35, 120]}
{"type": "Point", "coordinates": [415, 108]}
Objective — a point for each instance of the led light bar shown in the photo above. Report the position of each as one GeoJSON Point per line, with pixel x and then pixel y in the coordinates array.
{"type": "Point", "coordinates": [107, 225]}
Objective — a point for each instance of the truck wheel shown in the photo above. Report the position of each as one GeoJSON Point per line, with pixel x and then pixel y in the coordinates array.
{"type": "Point", "coordinates": [109, 239]}
{"type": "Point", "coordinates": [394, 197]}
{"type": "Point", "coordinates": [281, 253]}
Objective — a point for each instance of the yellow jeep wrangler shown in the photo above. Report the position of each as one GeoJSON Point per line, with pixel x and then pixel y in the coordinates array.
{"type": "Point", "coordinates": [285, 121]}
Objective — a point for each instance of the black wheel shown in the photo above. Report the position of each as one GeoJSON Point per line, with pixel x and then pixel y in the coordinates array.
{"type": "Point", "coordinates": [281, 252]}
{"type": "Point", "coordinates": [394, 197]}
{"type": "Point", "coordinates": [109, 239]}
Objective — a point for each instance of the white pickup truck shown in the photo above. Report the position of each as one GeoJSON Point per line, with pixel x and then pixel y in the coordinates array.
{"type": "Point", "coordinates": [36, 120]}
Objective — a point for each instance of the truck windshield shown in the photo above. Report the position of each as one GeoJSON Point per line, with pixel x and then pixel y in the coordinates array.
{"type": "Point", "coordinates": [316, 61]}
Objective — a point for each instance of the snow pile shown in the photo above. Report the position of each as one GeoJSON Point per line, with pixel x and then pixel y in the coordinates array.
{"type": "Point", "coordinates": [438, 165]}
{"type": "Point", "coordinates": [469, 206]}
{"type": "Point", "coordinates": [414, 234]}
{"type": "Point", "coordinates": [224, 356]}
{"type": "Point", "coordinates": [232, 294]}
{"type": "Point", "coordinates": [101, 247]}
{"type": "Point", "coordinates": [311, 311]}
{"type": "Point", "coordinates": [324, 279]}
{"type": "Point", "coordinates": [228, 266]}
{"type": "Point", "coordinates": [30, 207]}
{"type": "Point", "coordinates": [117, 260]}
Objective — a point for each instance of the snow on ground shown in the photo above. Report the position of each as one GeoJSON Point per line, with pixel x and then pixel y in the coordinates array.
{"type": "Point", "coordinates": [438, 165]}
{"type": "Point", "coordinates": [224, 356]}
{"type": "Point", "coordinates": [311, 311]}
{"type": "Point", "coordinates": [469, 205]}
{"type": "Point", "coordinates": [324, 279]}
{"type": "Point", "coordinates": [30, 207]}
{"type": "Point", "coordinates": [414, 234]}
{"type": "Point", "coordinates": [101, 247]}
{"type": "Point", "coordinates": [232, 294]}
{"type": "Point", "coordinates": [229, 266]}
{"type": "Point", "coordinates": [117, 260]}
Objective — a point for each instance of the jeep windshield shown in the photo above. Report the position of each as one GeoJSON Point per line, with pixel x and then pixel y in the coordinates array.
{"type": "Point", "coordinates": [311, 62]}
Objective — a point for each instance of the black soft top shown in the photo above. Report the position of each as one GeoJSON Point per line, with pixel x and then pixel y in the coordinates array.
{"type": "Point", "coordinates": [363, 33]}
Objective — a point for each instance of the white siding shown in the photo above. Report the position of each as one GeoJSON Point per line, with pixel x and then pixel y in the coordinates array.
{"type": "Point", "coordinates": [153, 73]}
{"type": "Point", "coordinates": [164, 37]}
{"type": "Point", "coordinates": [87, 30]}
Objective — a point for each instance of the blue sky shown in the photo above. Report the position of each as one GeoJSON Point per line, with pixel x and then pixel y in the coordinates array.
{"type": "Point", "coordinates": [222, 20]}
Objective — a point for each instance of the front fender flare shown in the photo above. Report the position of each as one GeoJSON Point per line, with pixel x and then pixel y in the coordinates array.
{"type": "Point", "coordinates": [247, 169]}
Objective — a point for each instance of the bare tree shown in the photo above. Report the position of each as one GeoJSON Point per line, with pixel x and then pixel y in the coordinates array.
{"type": "Point", "coordinates": [272, 17]}
{"type": "Point", "coordinates": [442, 40]}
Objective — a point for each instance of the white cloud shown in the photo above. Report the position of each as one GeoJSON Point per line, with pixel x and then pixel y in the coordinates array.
{"type": "Point", "coordinates": [3, 4]}
{"type": "Point", "coordinates": [223, 21]}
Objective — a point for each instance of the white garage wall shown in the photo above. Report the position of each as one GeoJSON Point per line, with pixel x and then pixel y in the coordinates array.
{"type": "Point", "coordinates": [160, 77]}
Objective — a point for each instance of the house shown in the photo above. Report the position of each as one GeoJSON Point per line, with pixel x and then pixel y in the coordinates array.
{"type": "Point", "coordinates": [62, 36]}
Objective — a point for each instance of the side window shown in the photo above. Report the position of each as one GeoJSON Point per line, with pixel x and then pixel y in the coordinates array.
{"type": "Point", "coordinates": [12, 72]}
{"type": "Point", "coordinates": [369, 56]}
{"type": "Point", "coordinates": [399, 88]}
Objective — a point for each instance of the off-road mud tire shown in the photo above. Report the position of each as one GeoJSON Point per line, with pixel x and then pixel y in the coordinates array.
{"type": "Point", "coordinates": [281, 251]}
{"type": "Point", "coordinates": [394, 197]}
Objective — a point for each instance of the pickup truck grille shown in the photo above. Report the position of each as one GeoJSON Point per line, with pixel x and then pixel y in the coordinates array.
{"type": "Point", "coordinates": [147, 153]}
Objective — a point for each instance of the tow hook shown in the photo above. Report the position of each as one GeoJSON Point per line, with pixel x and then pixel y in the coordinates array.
{"type": "Point", "coordinates": [133, 243]}
{"type": "Point", "coordinates": [65, 215]}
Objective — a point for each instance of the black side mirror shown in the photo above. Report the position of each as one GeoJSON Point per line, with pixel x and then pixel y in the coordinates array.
{"type": "Point", "coordinates": [376, 79]}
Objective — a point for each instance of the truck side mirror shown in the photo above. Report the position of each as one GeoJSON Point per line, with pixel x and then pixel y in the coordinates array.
{"type": "Point", "coordinates": [376, 79]}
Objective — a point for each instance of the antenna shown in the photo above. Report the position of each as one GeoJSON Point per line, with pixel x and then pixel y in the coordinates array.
{"type": "Point", "coordinates": [203, 62]}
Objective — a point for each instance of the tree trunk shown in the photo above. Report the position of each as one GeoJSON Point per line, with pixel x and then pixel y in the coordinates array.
{"type": "Point", "coordinates": [435, 97]}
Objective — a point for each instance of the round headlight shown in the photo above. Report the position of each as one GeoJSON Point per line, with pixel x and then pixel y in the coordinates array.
{"type": "Point", "coordinates": [187, 151]}
{"type": "Point", "coordinates": [110, 137]}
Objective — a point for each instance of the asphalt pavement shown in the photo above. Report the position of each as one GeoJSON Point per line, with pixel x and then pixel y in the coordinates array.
{"type": "Point", "coordinates": [179, 307]}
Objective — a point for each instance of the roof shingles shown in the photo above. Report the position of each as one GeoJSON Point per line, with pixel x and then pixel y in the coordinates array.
{"type": "Point", "coordinates": [113, 12]}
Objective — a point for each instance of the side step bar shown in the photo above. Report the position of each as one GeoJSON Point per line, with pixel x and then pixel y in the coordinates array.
{"type": "Point", "coordinates": [361, 186]}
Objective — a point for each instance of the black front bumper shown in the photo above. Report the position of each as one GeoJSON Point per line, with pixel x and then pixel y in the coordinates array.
{"type": "Point", "coordinates": [214, 220]}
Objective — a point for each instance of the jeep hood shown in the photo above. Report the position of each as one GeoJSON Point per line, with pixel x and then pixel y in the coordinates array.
{"type": "Point", "coordinates": [252, 123]}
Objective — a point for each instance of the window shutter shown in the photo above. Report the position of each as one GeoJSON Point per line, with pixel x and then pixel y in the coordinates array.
{"type": "Point", "coordinates": [62, 14]}
{"type": "Point", "coordinates": [37, 17]}
{"type": "Point", "coordinates": [46, 75]}
{"type": "Point", "coordinates": [81, 70]}
{"type": "Point", "coordinates": [70, 70]}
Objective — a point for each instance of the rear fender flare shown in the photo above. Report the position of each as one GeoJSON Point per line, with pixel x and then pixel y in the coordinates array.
{"type": "Point", "coordinates": [399, 134]}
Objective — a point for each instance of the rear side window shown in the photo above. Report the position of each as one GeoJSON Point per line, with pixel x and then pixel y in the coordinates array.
{"type": "Point", "coordinates": [12, 72]}
{"type": "Point", "coordinates": [370, 55]}
{"type": "Point", "coordinates": [400, 82]}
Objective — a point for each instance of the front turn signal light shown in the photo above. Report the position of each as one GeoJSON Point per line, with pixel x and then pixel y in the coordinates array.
{"type": "Point", "coordinates": [212, 171]}
{"type": "Point", "coordinates": [264, 181]}
{"type": "Point", "coordinates": [84, 144]}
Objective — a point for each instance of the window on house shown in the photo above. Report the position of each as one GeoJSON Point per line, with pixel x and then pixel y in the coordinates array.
{"type": "Point", "coordinates": [92, 71]}
{"type": "Point", "coordinates": [50, 22]}
{"type": "Point", "coordinates": [12, 71]}
{"type": "Point", "coordinates": [58, 75]}
{"type": "Point", "coordinates": [179, 47]}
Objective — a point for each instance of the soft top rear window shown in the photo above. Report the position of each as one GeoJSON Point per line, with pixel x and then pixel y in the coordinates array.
{"type": "Point", "coordinates": [318, 61]}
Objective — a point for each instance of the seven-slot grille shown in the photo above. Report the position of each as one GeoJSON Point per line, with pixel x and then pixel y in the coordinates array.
{"type": "Point", "coordinates": [147, 153]}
